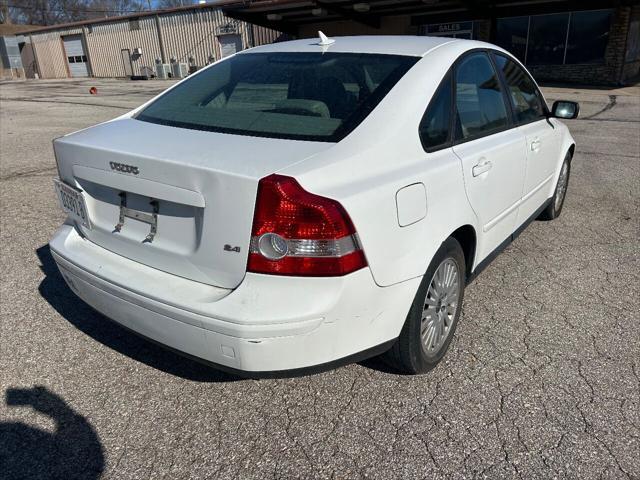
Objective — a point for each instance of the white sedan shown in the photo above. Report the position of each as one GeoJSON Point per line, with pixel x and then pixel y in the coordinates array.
{"type": "Point", "coordinates": [313, 202]}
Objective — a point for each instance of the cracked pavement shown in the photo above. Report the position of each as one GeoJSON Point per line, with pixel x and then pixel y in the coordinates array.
{"type": "Point", "coordinates": [542, 379]}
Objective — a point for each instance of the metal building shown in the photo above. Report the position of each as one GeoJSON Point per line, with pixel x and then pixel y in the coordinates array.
{"type": "Point", "coordinates": [161, 43]}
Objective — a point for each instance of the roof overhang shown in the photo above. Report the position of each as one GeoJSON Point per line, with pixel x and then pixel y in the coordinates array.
{"type": "Point", "coordinates": [288, 15]}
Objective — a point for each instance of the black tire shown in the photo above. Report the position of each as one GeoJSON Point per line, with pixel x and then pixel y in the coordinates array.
{"type": "Point", "coordinates": [409, 354]}
{"type": "Point", "coordinates": [554, 208]}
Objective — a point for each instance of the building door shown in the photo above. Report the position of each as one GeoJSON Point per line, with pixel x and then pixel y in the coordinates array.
{"type": "Point", "coordinates": [76, 56]}
{"type": "Point", "coordinates": [126, 60]}
{"type": "Point", "coordinates": [229, 44]}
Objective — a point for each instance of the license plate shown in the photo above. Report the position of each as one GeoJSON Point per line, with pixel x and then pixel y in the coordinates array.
{"type": "Point", "coordinates": [72, 202]}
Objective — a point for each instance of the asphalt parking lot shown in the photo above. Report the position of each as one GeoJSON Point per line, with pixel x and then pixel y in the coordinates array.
{"type": "Point", "coordinates": [542, 379]}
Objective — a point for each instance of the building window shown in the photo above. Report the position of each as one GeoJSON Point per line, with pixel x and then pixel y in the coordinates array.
{"type": "Point", "coordinates": [512, 35]}
{"type": "Point", "coordinates": [588, 36]}
{"type": "Point", "coordinates": [134, 24]}
{"type": "Point", "coordinates": [556, 39]}
{"type": "Point", "coordinates": [547, 39]}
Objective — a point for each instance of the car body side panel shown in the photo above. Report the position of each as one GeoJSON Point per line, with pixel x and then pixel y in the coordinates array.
{"type": "Point", "coordinates": [384, 154]}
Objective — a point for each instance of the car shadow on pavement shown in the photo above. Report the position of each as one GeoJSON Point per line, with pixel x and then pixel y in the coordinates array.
{"type": "Point", "coordinates": [72, 450]}
{"type": "Point", "coordinates": [56, 292]}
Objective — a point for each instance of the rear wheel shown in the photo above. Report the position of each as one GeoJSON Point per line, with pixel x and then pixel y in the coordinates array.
{"type": "Point", "coordinates": [434, 313]}
{"type": "Point", "coordinates": [557, 201]}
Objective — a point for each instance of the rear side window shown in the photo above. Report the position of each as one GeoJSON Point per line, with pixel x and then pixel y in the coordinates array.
{"type": "Point", "coordinates": [436, 124]}
{"type": "Point", "coordinates": [480, 106]}
{"type": "Point", "coordinates": [525, 97]}
{"type": "Point", "coordinates": [300, 96]}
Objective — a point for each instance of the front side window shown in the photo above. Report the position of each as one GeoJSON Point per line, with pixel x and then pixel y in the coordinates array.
{"type": "Point", "coordinates": [435, 125]}
{"type": "Point", "coordinates": [300, 96]}
{"type": "Point", "coordinates": [480, 107]}
{"type": "Point", "coordinates": [525, 97]}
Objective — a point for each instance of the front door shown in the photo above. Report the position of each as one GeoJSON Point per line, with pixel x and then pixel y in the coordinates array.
{"type": "Point", "coordinates": [542, 142]}
{"type": "Point", "coordinates": [491, 151]}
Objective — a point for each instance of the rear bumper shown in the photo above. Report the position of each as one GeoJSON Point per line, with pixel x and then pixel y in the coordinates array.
{"type": "Point", "coordinates": [267, 324]}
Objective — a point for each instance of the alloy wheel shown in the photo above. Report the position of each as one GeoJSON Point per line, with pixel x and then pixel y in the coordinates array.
{"type": "Point", "coordinates": [440, 306]}
{"type": "Point", "coordinates": [562, 186]}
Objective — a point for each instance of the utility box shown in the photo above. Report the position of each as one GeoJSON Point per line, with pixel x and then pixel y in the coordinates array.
{"type": "Point", "coordinates": [163, 70]}
{"type": "Point", "coordinates": [10, 52]}
{"type": "Point", "coordinates": [179, 70]}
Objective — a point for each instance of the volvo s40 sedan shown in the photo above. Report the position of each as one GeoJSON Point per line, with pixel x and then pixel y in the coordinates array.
{"type": "Point", "coordinates": [312, 202]}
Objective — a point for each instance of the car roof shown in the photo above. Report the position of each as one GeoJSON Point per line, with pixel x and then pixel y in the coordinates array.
{"type": "Point", "coordinates": [416, 46]}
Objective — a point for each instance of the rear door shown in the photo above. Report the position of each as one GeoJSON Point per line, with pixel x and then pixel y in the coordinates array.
{"type": "Point", "coordinates": [542, 142]}
{"type": "Point", "coordinates": [492, 152]}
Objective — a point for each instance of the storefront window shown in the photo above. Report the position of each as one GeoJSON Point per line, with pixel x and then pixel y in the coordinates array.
{"type": "Point", "coordinates": [556, 39]}
{"type": "Point", "coordinates": [547, 39]}
{"type": "Point", "coordinates": [511, 34]}
{"type": "Point", "coordinates": [588, 36]}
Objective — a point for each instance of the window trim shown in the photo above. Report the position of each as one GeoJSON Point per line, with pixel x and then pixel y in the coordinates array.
{"type": "Point", "coordinates": [448, 75]}
{"type": "Point", "coordinates": [511, 114]}
{"type": "Point", "coordinates": [510, 124]}
{"type": "Point", "coordinates": [505, 85]}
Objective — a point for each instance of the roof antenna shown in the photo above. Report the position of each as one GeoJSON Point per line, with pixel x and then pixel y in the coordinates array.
{"type": "Point", "coordinates": [324, 40]}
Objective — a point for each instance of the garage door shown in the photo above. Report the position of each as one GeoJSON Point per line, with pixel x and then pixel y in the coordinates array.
{"type": "Point", "coordinates": [76, 56]}
{"type": "Point", "coordinates": [229, 44]}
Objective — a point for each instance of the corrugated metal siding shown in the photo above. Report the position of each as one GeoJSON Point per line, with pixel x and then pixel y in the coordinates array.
{"type": "Point", "coordinates": [107, 40]}
{"type": "Point", "coordinates": [50, 52]}
{"type": "Point", "coordinates": [195, 34]}
{"type": "Point", "coordinates": [185, 34]}
{"type": "Point", "coordinates": [263, 36]}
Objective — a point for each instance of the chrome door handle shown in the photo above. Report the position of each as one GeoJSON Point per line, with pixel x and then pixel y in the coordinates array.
{"type": "Point", "coordinates": [481, 168]}
{"type": "Point", "coordinates": [535, 145]}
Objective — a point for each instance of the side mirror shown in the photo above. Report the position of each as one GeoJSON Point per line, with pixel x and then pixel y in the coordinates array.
{"type": "Point", "coordinates": [565, 109]}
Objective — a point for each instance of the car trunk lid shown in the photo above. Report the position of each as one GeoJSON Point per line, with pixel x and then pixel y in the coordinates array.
{"type": "Point", "coordinates": [197, 189]}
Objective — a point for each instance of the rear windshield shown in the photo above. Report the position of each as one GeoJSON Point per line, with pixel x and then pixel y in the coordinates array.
{"type": "Point", "coordinates": [301, 96]}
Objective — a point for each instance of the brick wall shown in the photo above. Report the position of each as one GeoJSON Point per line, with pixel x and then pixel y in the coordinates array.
{"type": "Point", "coordinates": [631, 69]}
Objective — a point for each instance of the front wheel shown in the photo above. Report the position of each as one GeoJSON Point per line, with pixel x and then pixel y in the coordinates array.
{"type": "Point", "coordinates": [557, 201]}
{"type": "Point", "coordinates": [434, 313]}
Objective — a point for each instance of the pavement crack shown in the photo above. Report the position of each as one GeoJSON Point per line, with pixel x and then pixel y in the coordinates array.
{"type": "Point", "coordinates": [28, 173]}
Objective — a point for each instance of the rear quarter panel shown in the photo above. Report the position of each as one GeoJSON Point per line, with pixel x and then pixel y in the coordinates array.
{"type": "Point", "coordinates": [384, 154]}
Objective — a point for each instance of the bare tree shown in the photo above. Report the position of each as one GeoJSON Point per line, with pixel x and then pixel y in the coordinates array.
{"type": "Point", "coordinates": [4, 12]}
{"type": "Point", "coordinates": [174, 3]}
{"type": "Point", "coordinates": [51, 12]}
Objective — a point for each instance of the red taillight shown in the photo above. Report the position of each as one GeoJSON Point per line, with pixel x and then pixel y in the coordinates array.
{"type": "Point", "coordinates": [298, 233]}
